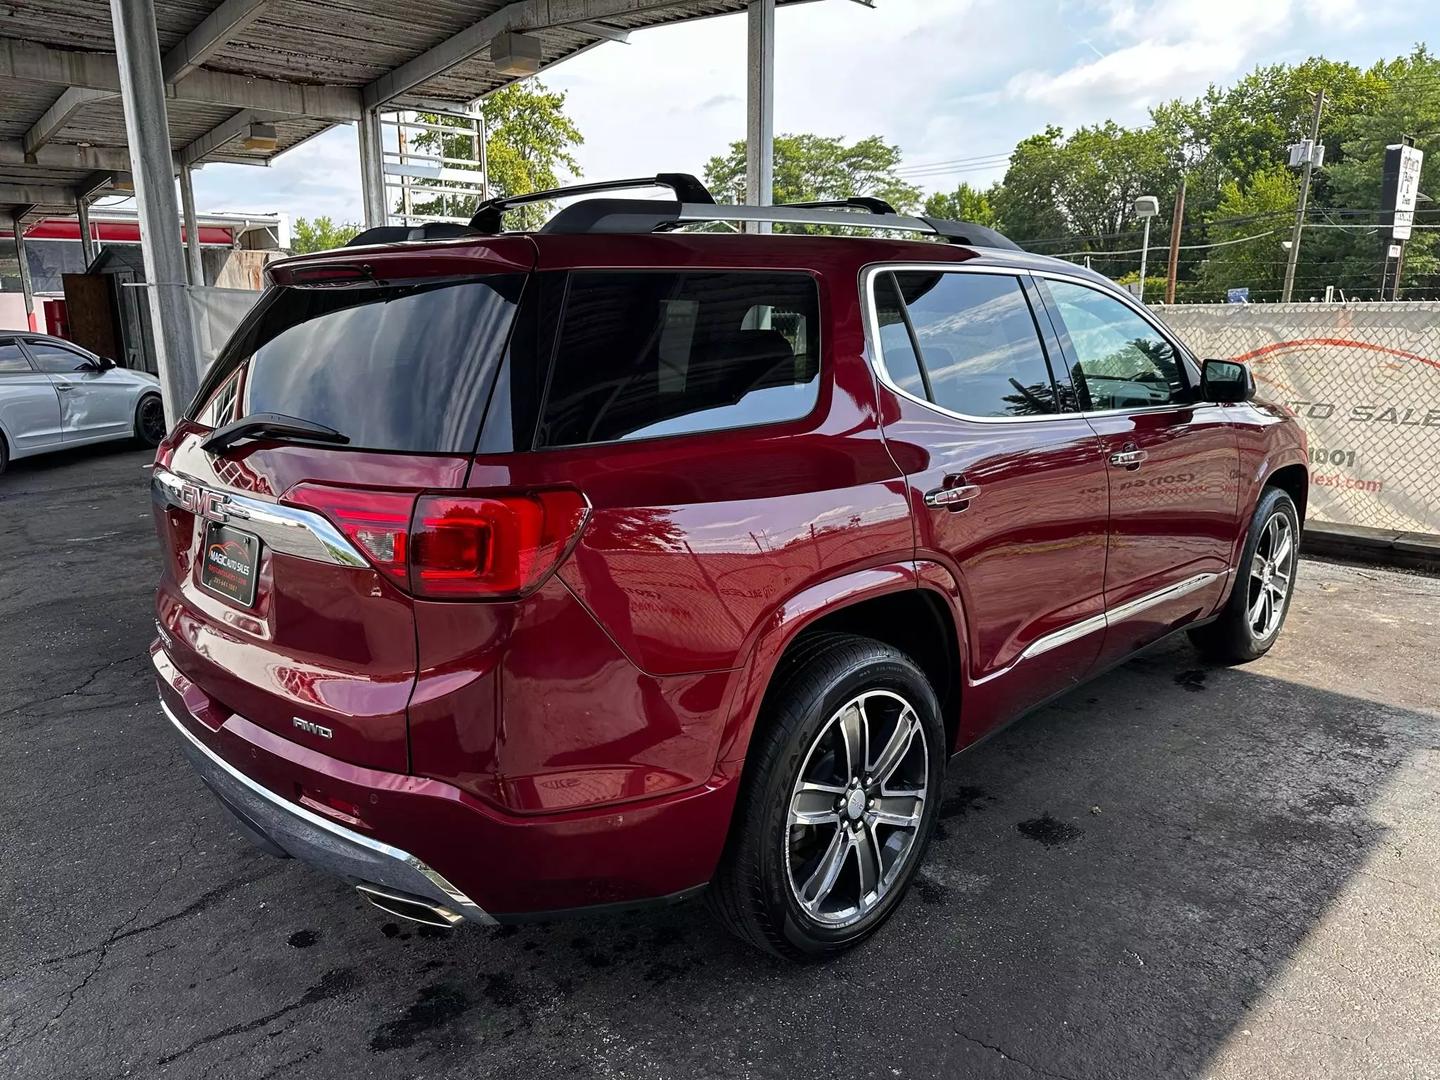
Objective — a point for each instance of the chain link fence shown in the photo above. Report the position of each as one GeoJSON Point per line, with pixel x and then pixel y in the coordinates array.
{"type": "Point", "coordinates": [1364, 381]}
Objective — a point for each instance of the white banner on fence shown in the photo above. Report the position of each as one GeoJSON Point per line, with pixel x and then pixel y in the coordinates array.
{"type": "Point", "coordinates": [1363, 380]}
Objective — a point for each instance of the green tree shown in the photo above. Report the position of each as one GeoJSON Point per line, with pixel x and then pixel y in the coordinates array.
{"type": "Point", "coordinates": [965, 203]}
{"type": "Point", "coordinates": [528, 145]}
{"type": "Point", "coordinates": [1265, 204]}
{"type": "Point", "coordinates": [321, 234]}
{"type": "Point", "coordinates": [813, 167]}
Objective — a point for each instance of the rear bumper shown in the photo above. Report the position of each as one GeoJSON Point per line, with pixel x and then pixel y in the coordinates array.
{"type": "Point", "coordinates": [426, 839]}
{"type": "Point", "coordinates": [288, 829]}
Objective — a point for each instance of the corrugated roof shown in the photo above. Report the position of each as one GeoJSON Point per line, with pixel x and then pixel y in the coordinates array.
{"type": "Point", "coordinates": [312, 43]}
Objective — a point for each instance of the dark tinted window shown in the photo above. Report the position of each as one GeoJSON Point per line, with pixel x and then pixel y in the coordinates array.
{"type": "Point", "coordinates": [56, 359]}
{"type": "Point", "coordinates": [11, 358]}
{"type": "Point", "coordinates": [896, 348]}
{"type": "Point", "coordinates": [979, 343]}
{"type": "Point", "coordinates": [403, 367]}
{"type": "Point", "coordinates": [1121, 361]}
{"type": "Point", "coordinates": [645, 354]}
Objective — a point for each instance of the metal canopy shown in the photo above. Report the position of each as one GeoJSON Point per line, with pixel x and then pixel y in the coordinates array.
{"type": "Point", "coordinates": [299, 65]}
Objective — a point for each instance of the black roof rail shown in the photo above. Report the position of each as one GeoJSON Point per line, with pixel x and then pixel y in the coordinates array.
{"type": "Point", "coordinates": [857, 202]}
{"type": "Point", "coordinates": [687, 189]}
{"type": "Point", "coordinates": [971, 234]}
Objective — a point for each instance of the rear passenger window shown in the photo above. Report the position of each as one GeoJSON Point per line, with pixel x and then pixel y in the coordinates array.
{"type": "Point", "coordinates": [12, 360]}
{"type": "Point", "coordinates": [643, 354]}
{"type": "Point", "coordinates": [978, 343]}
{"type": "Point", "coordinates": [896, 348]}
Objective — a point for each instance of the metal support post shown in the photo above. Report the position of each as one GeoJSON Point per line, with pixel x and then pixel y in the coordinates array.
{"type": "Point", "coordinates": [26, 288]}
{"type": "Point", "coordinates": [760, 110]}
{"type": "Point", "coordinates": [87, 241]}
{"type": "Point", "coordinates": [194, 263]}
{"type": "Point", "coordinates": [147, 129]}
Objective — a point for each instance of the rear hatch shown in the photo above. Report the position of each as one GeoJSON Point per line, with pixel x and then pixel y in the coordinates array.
{"type": "Point", "coordinates": [291, 554]}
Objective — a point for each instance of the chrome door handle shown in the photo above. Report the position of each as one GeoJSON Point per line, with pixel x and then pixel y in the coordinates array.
{"type": "Point", "coordinates": [64, 386]}
{"type": "Point", "coordinates": [1128, 459]}
{"type": "Point", "coordinates": [953, 499]}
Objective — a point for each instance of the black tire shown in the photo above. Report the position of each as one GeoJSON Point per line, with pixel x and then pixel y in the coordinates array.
{"type": "Point", "coordinates": [4, 455]}
{"type": "Point", "coordinates": [752, 892]}
{"type": "Point", "coordinates": [146, 433]}
{"type": "Point", "coordinates": [1234, 637]}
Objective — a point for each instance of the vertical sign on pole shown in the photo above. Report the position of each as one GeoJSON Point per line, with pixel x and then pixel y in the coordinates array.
{"type": "Point", "coordinates": [1399, 191]}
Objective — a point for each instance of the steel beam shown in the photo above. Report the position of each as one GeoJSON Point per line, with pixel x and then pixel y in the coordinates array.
{"type": "Point", "coordinates": [760, 110]}
{"type": "Point", "coordinates": [219, 27]}
{"type": "Point", "coordinates": [520, 15]}
{"type": "Point", "coordinates": [600, 30]}
{"type": "Point", "coordinates": [142, 90]}
{"type": "Point", "coordinates": [31, 194]}
{"type": "Point", "coordinates": [58, 114]}
{"type": "Point", "coordinates": [17, 220]}
{"type": "Point", "coordinates": [100, 71]}
{"type": "Point", "coordinates": [65, 156]}
{"type": "Point", "coordinates": [87, 241]}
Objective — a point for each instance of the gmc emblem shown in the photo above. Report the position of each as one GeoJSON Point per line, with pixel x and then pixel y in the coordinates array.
{"type": "Point", "coordinates": [207, 504]}
{"type": "Point", "coordinates": [313, 729]}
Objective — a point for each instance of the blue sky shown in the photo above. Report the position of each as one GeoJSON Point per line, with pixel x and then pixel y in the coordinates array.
{"type": "Point", "coordinates": [954, 82]}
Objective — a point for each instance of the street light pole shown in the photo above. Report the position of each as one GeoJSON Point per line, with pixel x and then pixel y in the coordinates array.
{"type": "Point", "coordinates": [1146, 207]}
{"type": "Point", "coordinates": [1304, 198]}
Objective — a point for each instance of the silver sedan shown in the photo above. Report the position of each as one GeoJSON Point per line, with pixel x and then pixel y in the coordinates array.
{"type": "Point", "coordinates": [55, 395]}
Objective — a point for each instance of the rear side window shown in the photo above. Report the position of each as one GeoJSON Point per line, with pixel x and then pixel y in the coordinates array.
{"type": "Point", "coordinates": [12, 360]}
{"type": "Point", "coordinates": [642, 354]}
{"type": "Point", "coordinates": [978, 343]}
{"type": "Point", "coordinates": [397, 367]}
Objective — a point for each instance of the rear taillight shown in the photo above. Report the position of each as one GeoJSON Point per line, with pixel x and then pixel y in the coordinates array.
{"type": "Point", "coordinates": [377, 522]}
{"type": "Point", "coordinates": [454, 546]}
{"type": "Point", "coordinates": [495, 546]}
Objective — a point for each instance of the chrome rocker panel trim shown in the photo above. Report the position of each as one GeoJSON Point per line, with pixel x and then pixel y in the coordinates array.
{"type": "Point", "coordinates": [1076, 631]}
{"type": "Point", "coordinates": [322, 843]}
{"type": "Point", "coordinates": [302, 533]}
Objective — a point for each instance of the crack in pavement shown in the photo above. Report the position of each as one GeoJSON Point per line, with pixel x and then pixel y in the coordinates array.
{"type": "Point", "coordinates": [109, 942]}
{"type": "Point", "coordinates": [1036, 1069]}
{"type": "Point", "coordinates": [78, 690]}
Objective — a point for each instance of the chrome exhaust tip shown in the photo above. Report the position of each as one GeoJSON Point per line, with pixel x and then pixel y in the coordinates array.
{"type": "Point", "coordinates": [409, 907]}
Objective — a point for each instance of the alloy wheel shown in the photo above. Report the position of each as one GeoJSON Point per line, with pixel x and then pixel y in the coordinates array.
{"type": "Point", "coordinates": [152, 420]}
{"type": "Point", "coordinates": [1272, 572]}
{"type": "Point", "coordinates": [856, 808]}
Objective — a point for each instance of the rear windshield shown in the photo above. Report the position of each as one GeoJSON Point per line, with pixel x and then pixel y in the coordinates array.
{"type": "Point", "coordinates": [642, 354]}
{"type": "Point", "coordinates": [397, 367]}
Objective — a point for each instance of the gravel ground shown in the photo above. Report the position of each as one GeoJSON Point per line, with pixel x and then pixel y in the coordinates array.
{"type": "Point", "coordinates": [1178, 871]}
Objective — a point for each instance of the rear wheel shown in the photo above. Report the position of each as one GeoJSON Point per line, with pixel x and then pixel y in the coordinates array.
{"type": "Point", "coordinates": [1264, 583]}
{"type": "Point", "coordinates": [150, 420]}
{"type": "Point", "coordinates": [839, 802]}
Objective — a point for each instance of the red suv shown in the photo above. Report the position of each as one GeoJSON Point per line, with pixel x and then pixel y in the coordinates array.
{"type": "Point", "coordinates": [512, 574]}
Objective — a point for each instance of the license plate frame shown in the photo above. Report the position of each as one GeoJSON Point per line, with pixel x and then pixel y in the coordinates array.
{"type": "Point", "coordinates": [230, 563]}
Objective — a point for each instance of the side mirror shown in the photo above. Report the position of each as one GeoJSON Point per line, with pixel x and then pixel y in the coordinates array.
{"type": "Point", "coordinates": [106, 363]}
{"type": "Point", "coordinates": [1225, 381]}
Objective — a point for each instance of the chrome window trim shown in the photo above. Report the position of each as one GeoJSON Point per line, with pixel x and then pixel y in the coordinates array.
{"type": "Point", "coordinates": [302, 533]}
{"type": "Point", "coordinates": [870, 313]}
{"type": "Point", "coordinates": [1110, 616]}
{"type": "Point", "coordinates": [463, 904]}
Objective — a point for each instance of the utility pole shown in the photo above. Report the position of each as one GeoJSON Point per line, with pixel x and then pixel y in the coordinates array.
{"type": "Point", "coordinates": [1177, 219]}
{"type": "Point", "coordinates": [1304, 198]}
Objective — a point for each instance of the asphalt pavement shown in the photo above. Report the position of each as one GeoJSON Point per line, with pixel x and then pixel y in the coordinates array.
{"type": "Point", "coordinates": [1177, 871]}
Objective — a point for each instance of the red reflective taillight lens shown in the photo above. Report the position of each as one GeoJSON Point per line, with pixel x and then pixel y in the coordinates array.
{"type": "Point", "coordinates": [377, 522]}
{"type": "Point", "coordinates": [454, 545]}
{"type": "Point", "coordinates": [501, 545]}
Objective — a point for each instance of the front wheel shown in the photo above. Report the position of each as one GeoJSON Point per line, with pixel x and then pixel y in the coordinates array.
{"type": "Point", "coordinates": [1251, 619]}
{"type": "Point", "coordinates": [150, 420]}
{"type": "Point", "coordinates": [839, 801]}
